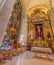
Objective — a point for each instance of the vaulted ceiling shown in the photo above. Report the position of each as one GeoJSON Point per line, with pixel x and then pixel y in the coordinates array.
{"type": "Point", "coordinates": [27, 4]}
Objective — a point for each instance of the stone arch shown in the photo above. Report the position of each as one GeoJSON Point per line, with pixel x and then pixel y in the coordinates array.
{"type": "Point", "coordinates": [46, 8]}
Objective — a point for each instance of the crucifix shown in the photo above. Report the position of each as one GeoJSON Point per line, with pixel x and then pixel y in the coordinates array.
{"type": "Point", "coordinates": [38, 27]}
{"type": "Point", "coordinates": [38, 31]}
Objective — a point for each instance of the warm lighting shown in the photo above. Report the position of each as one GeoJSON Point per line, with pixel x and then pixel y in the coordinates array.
{"type": "Point", "coordinates": [42, 8]}
{"type": "Point", "coordinates": [21, 38]}
{"type": "Point", "coordinates": [5, 33]}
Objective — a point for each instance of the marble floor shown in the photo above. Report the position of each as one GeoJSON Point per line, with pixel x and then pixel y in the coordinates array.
{"type": "Point", "coordinates": [27, 59]}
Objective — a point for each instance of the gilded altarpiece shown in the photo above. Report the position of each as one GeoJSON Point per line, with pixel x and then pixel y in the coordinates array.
{"type": "Point", "coordinates": [39, 28]}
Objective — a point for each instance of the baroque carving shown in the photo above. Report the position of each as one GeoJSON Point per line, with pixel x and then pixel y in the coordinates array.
{"type": "Point", "coordinates": [15, 20]}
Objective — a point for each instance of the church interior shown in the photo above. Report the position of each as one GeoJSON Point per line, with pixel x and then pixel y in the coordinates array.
{"type": "Point", "coordinates": [26, 32]}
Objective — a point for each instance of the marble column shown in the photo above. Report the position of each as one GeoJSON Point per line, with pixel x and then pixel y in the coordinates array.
{"type": "Point", "coordinates": [24, 30]}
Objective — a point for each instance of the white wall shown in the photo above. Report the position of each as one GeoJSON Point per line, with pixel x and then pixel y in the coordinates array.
{"type": "Point", "coordinates": [52, 3]}
{"type": "Point", "coordinates": [27, 4]}
{"type": "Point", "coordinates": [2, 2]}
{"type": "Point", "coordinates": [52, 16]}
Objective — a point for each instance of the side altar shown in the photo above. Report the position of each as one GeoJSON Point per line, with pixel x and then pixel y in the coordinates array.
{"type": "Point", "coordinates": [40, 32]}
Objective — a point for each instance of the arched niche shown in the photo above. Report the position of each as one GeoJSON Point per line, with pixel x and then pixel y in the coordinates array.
{"type": "Point", "coordinates": [39, 26]}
